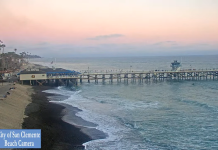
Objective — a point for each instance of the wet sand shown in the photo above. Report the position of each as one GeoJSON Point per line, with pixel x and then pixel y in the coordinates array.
{"type": "Point", "coordinates": [86, 127]}
{"type": "Point", "coordinates": [47, 116]}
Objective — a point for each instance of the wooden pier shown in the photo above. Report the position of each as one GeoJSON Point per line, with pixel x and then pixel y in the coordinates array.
{"type": "Point", "coordinates": [150, 75]}
{"type": "Point", "coordinates": [67, 77]}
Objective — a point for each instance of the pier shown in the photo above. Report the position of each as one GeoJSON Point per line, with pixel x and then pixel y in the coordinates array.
{"type": "Point", "coordinates": [175, 74]}
{"type": "Point", "coordinates": [59, 76]}
{"type": "Point", "coordinates": [150, 75]}
{"type": "Point", "coordinates": [43, 78]}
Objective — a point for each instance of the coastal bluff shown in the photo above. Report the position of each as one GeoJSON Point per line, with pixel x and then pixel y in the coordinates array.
{"type": "Point", "coordinates": [13, 106]}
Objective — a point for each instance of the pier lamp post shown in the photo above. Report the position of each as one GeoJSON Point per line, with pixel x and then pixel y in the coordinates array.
{"type": "Point", "coordinates": [130, 68]}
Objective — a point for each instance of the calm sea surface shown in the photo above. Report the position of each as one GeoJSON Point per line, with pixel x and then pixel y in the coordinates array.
{"type": "Point", "coordinates": [159, 115]}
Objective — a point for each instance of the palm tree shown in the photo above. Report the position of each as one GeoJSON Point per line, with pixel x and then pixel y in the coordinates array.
{"type": "Point", "coordinates": [2, 56]}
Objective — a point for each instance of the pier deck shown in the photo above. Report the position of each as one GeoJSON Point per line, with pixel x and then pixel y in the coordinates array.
{"type": "Point", "coordinates": [151, 75]}
{"type": "Point", "coordinates": [65, 79]}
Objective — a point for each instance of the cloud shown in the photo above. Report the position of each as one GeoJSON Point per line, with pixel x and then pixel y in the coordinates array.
{"type": "Point", "coordinates": [105, 37]}
{"type": "Point", "coordinates": [166, 43]}
{"type": "Point", "coordinates": [43, 43]}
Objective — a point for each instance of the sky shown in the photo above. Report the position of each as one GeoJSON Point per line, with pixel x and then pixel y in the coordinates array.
{"type": "Point", "coordinates": [102, 28]}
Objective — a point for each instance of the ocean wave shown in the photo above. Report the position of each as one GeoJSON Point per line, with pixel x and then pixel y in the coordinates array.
{"type": "Point", "coordinates": [105, 123]}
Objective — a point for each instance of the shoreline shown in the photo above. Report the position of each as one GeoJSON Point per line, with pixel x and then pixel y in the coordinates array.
{"type": "Point", "coordinates": [47, 116]}
{"type": "Point", "coordinates": [85, 127]}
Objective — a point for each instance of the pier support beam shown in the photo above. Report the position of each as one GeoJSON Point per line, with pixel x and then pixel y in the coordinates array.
{"type": "Point", "coordinates": [88, 78]}
{"type": "Point", "coordinates": [74, 82]}
{"type": "Point", "coordinates": [118, 78]}
{"type": "Point", "coordinates": [80, 79]}
{"type": "Point", "coordinates": [56, 82]}
{"type": "Point", "coordinates": [67, 82]}
{"type": "Point", "coordinates": [140, 77]}
{"type": "Point", "coordinates": [133, 78]}
{"type": "Point", "coordinates": [103, 78]}
{"type": "Point", "coordinates": [48, 82]}
{"type": "Point", "coordinates": [96, 78]}
{"type": "Point", "coordinates": [40, 83]}
{"type": "Point", "coordinates": [111, 77]}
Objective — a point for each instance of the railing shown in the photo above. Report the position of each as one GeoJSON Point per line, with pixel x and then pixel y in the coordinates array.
{"type": "Point", "coordinates": [98, 72]}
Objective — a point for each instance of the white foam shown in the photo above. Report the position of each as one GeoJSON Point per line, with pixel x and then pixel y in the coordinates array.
{"type": "Point", "coordinates": [61, 90]}
{"type": "Point", "coordinates": [93, 111]}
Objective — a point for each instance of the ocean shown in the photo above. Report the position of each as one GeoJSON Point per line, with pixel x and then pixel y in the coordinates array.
{"type": "Point", "coordinates": [161, 115]}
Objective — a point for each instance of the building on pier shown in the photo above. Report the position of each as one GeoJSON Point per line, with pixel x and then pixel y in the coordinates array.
{"type": "Point", "coordinates": [176, 66]}
{"type": "Point", "coordinates": [44, 75]}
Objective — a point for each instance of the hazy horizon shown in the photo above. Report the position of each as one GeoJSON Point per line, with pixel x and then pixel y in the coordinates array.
{"type": "Point", "coordinates": [53, 57]}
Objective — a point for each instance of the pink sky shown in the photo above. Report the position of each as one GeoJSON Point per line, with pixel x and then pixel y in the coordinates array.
{"type": "Point", "coordinates": [85, 23]}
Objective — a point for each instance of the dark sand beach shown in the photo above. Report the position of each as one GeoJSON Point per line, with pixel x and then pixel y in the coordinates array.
{"type": "Point", "coordinates": [56, 133]}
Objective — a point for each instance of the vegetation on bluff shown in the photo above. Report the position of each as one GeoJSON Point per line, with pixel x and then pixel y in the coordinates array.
{"type": "Point", "coordinates": [11, 61]}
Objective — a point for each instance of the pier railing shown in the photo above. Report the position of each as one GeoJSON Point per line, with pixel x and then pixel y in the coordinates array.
{"type": "Point", "coordinates": [137, 71]}
{"type": "Point", "coordinates": [189, 74]}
